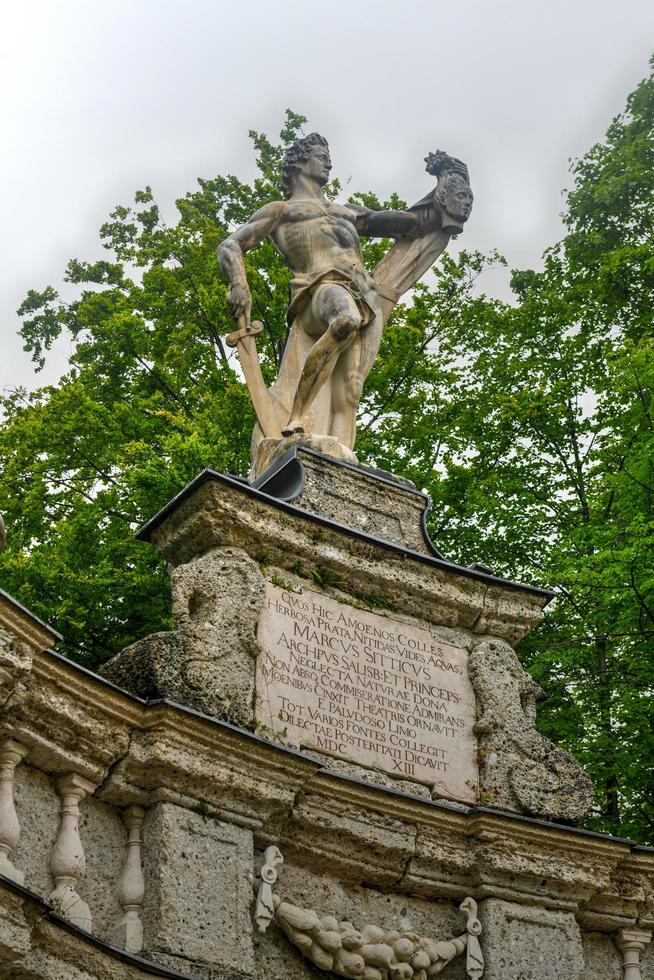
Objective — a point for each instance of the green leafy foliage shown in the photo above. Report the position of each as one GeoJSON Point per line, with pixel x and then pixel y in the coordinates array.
{"type": "Point", "coordinates": [530, 424]}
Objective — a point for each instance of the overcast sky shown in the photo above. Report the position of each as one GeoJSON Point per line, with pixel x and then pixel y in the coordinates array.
{"type": "Point", "coordinates": [102, 97]}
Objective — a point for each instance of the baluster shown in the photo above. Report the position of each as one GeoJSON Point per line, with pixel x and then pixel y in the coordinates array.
{"type": "Point", "coordinates": [67, 862]}
{"type": "Point", "coordinates": [11, 753]}
{"type": "Point", "coordinates": [631, 943]}
{"type": "Point", "coordinates": [128, 931]}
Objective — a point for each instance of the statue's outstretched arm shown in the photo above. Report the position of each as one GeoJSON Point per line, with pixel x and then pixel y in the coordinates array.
{"type": "Point", "coordinates": [385, 224]}
{"type": "Point", "coordinates": [230, 254]}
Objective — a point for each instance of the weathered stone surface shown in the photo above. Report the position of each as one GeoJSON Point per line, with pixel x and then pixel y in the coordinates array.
{"type": "Point", "coordinates": [15, 940]}
{"type": "Point", "coordinates": [63, 722]}
{"type": "Point", "coordinates": [373, 776]}
{"type": "Point", "coordinates": [359, 496]}
{"type": "Point", "coordinates": [102, 835]}
{"type": "Point", "coordinates": [372, 848]}
{"type": "Point", "coordinates": [368, 688]}
{"type": "Point", "coordinates": [149, 668]}
{"type": "Point", "coordinates": [601, 957]}
{"type": "Point", "coordinates": [353, 849]}
{"type": "Point", "coordinates": [524, 942]}
{"type": "Point", "coordinates": [24, 625]}
{"type": "Point", "coordinates": [37, 805]}
{"type": "Point", "coordinates": [197, 905]}
{"type": "Point", "coordinates": [15, 665]}
{"type": "Point", "coordinates": [21, 635]}
{"type": "Point", "coordinates": [217, 599]}
{"type": "Point", "coordinates": [520, 769]}
{"type": "Point", "coordinates": [218, 511]}
{"type": "Point", "coordinates": [208, 662]}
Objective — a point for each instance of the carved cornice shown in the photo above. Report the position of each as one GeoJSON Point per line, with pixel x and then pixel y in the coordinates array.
{"type": "Point", "coordinates": [216, 510]}
{"type": "Point", "coordinates": [20, 623]}
{"type": "Point", "coordinates": [140, 752]}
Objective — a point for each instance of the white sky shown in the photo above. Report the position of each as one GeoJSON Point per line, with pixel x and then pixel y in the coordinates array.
{"type": "Point", "coordinates": [102, 97]}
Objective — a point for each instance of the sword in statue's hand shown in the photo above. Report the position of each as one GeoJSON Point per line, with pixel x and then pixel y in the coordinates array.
{"type": "Point", "coordinates": [244, 342]}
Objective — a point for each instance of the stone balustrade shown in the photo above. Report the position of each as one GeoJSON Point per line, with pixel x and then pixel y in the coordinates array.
{"type": "Point", "coordinates": [11, 753]}
{"type": "Point", "coordinates": [128, 933]}
{"type": "Point", "coordinates": [144, 822]}
{"type": "Point", "coordinates": [68, 861]}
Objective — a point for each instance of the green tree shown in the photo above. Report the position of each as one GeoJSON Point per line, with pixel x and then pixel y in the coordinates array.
{"type": "Point", "coordinates": [546, 462]}
{"type": "Point", "coordinates": [152, 397]}
{"type": "Point", "coordinates": [529, 423]}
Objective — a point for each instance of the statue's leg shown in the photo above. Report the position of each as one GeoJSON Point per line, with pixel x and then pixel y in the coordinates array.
{"type": "Point", "coordinates": [352, 369]}
{"type": "Point", "coordinates": [333, 312]}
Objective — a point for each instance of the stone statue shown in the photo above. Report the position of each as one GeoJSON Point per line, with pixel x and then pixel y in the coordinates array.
{"type": "Point", "coordinates": [337, 310]}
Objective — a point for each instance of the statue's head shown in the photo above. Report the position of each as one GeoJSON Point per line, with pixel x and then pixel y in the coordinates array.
{"type": "Point", "coordinates": [310, 156]}
{"type": "Point", "coordinates": [453, 192]}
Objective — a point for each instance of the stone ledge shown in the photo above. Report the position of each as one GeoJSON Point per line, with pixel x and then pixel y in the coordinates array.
{"type": "Point", "coordinates": [24, 624]}
{"type": "Point", "coordinates": [61, 945]}
{"type": "Point", "coordinates": [220, 511]}
{"type": "Point", "coordinates": [159, 751]}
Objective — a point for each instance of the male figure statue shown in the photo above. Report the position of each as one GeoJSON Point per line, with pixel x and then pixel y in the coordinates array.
{"type": "Point", "coordinates": [337, 309]}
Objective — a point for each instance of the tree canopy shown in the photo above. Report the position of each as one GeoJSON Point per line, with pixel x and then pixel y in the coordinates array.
{"type": "Point", "coordinates": [530, 424]}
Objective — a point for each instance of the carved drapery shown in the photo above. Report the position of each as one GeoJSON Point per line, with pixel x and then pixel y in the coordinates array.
{"type": "Point", "coordinates": [67, 861]}
{"type": "Point", "coordinates": [372, 953]}
{"type": "Point", "coordinates": [11, 754]}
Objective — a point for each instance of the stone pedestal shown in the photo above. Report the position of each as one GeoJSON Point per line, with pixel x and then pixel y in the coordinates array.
{"type": "Point", "coordinates": [353, 495]}
{"type": "Point", "coordinates": [313, 608]}
{"type": "Point", "coordinates": [329, 720]}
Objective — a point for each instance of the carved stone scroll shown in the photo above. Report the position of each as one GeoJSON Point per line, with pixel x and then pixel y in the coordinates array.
{"type": "Point", "coordinates": [265, 911]}
{"type": "Point", "coordinates": [372, 953]}
{"type": "Point", "coordinates": [520, 769]}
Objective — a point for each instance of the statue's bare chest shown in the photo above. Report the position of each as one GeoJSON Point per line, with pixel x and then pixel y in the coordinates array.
{"type": "Point", "coordinates": [308, 223]}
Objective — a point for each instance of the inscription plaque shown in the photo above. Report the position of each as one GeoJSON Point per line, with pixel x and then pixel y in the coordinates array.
{"type": "Point", "coordinates": [366, 688]}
